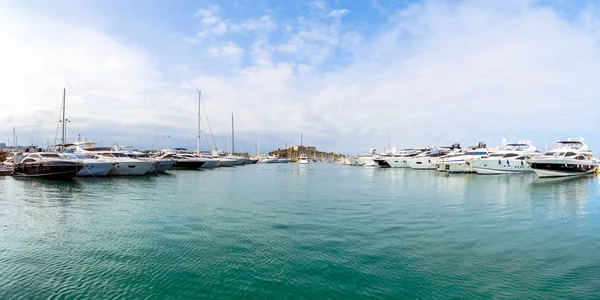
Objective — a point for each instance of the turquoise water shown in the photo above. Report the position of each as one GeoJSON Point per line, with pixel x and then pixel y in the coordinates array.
{"type": "Point", "coordinates": [320, 231]}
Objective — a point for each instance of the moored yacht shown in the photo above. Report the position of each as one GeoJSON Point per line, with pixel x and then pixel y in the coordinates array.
{"type": "Point", "coordinates": [511, 159]}
{"type": "Point", "coordinates": [45, 165]}
{"type": "Point", "coordinates": [124, 165]}
{"type": "Point", "coordinates": [183, 161]}
{"type": "Point", "coordinates": [569, 158]}
{"type": "Point", "coordinates": [426, 160]}
{"type": "Point", "coordinates": [91, 167]}
{"type": "Point", "coordinates": [397, 160]}
{"type": "Point", "coordinates": [303, 159]}
{"type": "Point", "coordinates": [270, 159]}
{"type": "Point", "coordinates": [459, 160]}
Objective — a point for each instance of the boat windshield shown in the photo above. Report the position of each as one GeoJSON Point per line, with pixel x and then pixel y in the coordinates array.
{"type": "Point", "coordinates": [49, 155]}
{"type": "Point", "coordinates": [119, 154]}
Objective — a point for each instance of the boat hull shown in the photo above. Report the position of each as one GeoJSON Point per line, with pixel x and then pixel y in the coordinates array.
{"type": "Point", "coordinates": [187, 164]}
{"type": "Point", "coordinates": [63, 171]}
{"type": "Point", "coordinates": [95, 168]}
{"type": "Point", "coordinates": [494, 167]}
{"type": "Point", "coordinates": [134, 168]}
{"type": "Point", "coordinates": [422, 163]}
{"type": "Point", "coordinates": [562, 169]}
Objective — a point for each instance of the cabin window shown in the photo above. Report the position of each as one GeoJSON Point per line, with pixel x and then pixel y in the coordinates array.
{"type": "Point", "coordinates": [549, 153]}
{"type": "Point", "coordinates": [580, 157]}
{"type": "Point", "coordinates": [568, 154]}
{"type": "Point", "coordinates": [511, 155]}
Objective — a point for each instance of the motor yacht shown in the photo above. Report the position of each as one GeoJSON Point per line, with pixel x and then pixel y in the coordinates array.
{"type": "Point", "coordinates": [511, 159]}
{"type": "Point", "coordinates": [397, 159]}
{"type": "Point", "coordinates": [183, 161]}
{"type": "Point", "coordinates": [44, 165]}
{"type": "Point", "coordinates": [252, 160]}
{"type": "Point", "coordinates": [91, 167]}
{"type": "Point", "coordinates": [368, 159]}
{"type": "Point", "coordinates": [459, 160]}
{"type": "Point", "coordinates": [303, 159]}
{"type": "Point", "coordinates": [123, 165]}
{"type": "Point", "coordinates": [283, 160]}
{"type": "Point", "coordinates": [569, 158]}
{"type": "Point", "coordinates": [270, 159]}
{"type": "Point", "coordinates": [159, 165]}
{"type": "Point", "coordinates": [426, 160]}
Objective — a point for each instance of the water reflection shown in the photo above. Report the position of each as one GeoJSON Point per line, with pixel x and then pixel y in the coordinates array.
{"type": "Point", "coordinates": [565, 196]}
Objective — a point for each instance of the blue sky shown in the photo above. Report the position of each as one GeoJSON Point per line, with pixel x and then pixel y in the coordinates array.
{"type": "Point", "coordinates": [344, 73]}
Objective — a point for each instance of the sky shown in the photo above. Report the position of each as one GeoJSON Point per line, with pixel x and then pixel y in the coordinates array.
{"type": "Point", "coordinates": [347, 75]}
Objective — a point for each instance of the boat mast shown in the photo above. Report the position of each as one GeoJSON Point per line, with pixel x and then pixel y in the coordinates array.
{"type": "Point", "coordinates": [64, 126]}
{"type": "Point", "coordinates": [232, 136]}
{"type": "Point", "coordinates": [198, 140]}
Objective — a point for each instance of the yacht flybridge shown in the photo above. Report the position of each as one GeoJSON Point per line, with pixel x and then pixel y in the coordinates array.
{"type": "Point", "coordinates": [569, 158]}
{"type": "Point", "coordinates": [512, 158]}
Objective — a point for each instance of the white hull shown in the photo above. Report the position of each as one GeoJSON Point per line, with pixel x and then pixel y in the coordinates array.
{"type": "Point", "coordinates": [552, 173]}
{"type": "Point", "coordinates": [209, 163]}
{"type": "Point", "coordinates": [269, 161]}
{"type": "Point", "coordinates": [492, 167]}
{"type": "Point", "coordinates": [226, 162]}
{"type": "Point", "coordinates": [368, 161]}
{"type": "Point", "coordinates": [456, 167]}
{"type": "Point", "coordinates": [422, 163]}
{"type": "Point", "coordinates": [94, 168]}
{"type": "Point", "coordinates": [397, 162]}
{"type": "Point", "coordinates": [303, 161]}
{"type": "Point", "coordinates": [130, 168]}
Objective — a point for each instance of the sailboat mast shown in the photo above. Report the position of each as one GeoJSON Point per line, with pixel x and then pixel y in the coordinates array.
{"type": "Point", "coordinates": [64, 124]}
{"type": "Point", "coordinates": [198, 139]}
{"type": "Point", "coordinates": [232, 136]}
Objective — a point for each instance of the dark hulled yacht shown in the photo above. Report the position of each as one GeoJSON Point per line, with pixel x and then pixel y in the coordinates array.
{"type": "Point", "coordinates": [569, 158]}
{"type": "Point", "coordinates": [44, 165]}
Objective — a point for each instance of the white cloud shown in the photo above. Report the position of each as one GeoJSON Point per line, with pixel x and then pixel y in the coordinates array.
{"type": "Point", "coordinates": [338, 13]}
{"type": "Point", "coordinates": [463, 70]}
{"type": "Point", "coordinates": [110, 86]}
{"type": "Point", "coordinates": [230, 52]}
{"type": "Point", "coordinates": [264, 24]}
{"type": "Point", "coordinates": [220, 29]}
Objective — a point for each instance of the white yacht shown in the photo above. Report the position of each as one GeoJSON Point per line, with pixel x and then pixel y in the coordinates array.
{"type": "Point", "coordinates": [459, 160]}
{"type": "Point", "coordinates": [397, 159]}
{"type": "Point", "coordinates": [368, 159]}
{"type": "Point", "coordinates": [303, 159]}
{"type": "Point", "coordinates": [91, 167]}
{"type": "Point", "coordinates": [159, 165]}
{"type": "Point", "coordinates": [283, 160]}
{"type": "Point", "coordinates": [511, 159]}
{"type": "Point", "coordinates": [122, 164]}
{"type": "Point", "coordinates": [569, 158]}
{"type": "Point", "coordinates": [426, 160]}
{"type": "Point", "coordinates": [270, 159]}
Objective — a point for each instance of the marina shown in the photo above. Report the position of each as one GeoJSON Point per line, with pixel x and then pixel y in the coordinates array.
{"type": "Point", "coordinates": [305, 231]}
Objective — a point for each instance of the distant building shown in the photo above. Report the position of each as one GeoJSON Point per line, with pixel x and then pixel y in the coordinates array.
{"type": "Point", "coordinates": [300, 148]}
{"type": "Point", "coordinates": [2, 146]}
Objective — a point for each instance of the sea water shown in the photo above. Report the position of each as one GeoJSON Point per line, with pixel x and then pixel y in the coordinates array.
{"type": "Point", "coordinates": [288, 231]}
